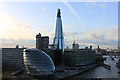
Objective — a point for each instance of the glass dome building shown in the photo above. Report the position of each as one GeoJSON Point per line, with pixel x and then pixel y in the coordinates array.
{"type": "Point", "coordinates": [38, 62]}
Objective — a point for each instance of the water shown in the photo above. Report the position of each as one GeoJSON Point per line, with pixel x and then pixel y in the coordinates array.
{"type": "Point", "coordinates": [101, 72]}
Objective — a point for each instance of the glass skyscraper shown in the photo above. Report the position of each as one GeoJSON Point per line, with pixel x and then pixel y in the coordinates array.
{"type": "Point", "coordinates": [59, 39]}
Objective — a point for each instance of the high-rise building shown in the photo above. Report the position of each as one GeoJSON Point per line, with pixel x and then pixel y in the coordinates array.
{"type": "Point", "coordinates": [90, 47]}
{"type": "Point", "coordinates": [38, 41]}
{"type": "Point", "coordinates": [75, 46]}
{"type": "Point", "coordinates": [98, 49]}
{"type": "Point", "coordinates": [59, 39]}
{"type": "Point", "coordinates": [42, 42]}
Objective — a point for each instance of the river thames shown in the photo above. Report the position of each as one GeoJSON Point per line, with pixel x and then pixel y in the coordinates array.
{"type": "Point", "coordinates": [101, 72]}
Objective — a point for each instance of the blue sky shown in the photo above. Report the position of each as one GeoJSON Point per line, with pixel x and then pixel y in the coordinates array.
{"type": "Point", "coordinates": [79, 18]}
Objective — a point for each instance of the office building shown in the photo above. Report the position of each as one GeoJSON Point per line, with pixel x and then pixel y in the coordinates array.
{"type": "Point", "coordinates": [75, 46]}
{"type": "Point", "coordinates": [38, 41]}
{"type": "Point", "coordinates": [12, 59]}
{"type": "Point", "coordinates": [38, 63]}
{"type": "Point", "coordinates": [59, 38]}
{"type": "Point", "coordinates": [90, 47]}
{"type": "Point", "coordinates": [42, 42]}
{"type": "Point", "coordinates": [58, 41]}
{"type": "Point", "coordinates": [79, 57]}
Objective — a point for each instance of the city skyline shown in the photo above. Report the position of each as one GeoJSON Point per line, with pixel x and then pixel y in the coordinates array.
{"type": "Point", "coordinates": [89, 23]}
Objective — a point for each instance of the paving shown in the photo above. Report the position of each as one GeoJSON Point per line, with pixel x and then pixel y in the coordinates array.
{"type": "Point", "coordinates": [61, 74]}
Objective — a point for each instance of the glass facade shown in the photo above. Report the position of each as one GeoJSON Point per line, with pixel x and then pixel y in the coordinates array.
{"type": "Point", "coordinates": [59, 38]}
{"type": "Point", "coordinates": [38, 62]}
{"type": "Point", "coordinates": [12, 59]}
{"type": "Point", "coordinates": [79, 57]}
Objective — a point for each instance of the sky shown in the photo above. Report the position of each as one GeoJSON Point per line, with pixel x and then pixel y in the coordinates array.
{"type": "Point", "coordinates": [86, 23]}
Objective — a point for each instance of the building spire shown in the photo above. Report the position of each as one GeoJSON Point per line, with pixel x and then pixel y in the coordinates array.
{"type": "Point", "coordinates": [59, 14]}
{"type": "Point", "coordinates": [59, 38]}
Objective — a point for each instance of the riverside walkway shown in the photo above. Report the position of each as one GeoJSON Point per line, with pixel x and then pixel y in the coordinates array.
{"type": "Point", "coordinates": [102, 72]}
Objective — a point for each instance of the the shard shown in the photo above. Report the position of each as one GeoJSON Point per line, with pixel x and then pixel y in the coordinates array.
{"type": "Point", "coordinates": [59, 39]}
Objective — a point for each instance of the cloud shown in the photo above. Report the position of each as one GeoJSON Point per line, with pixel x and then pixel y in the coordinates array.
{"type": "Point", "coordinates": [10, 27]}
{"type": "Point", "coordinates": [13, 31]}
{"type": "Point", "coordinates": [113, 33]}
{"type": "Point", "coordinates": [10, 43]}
{"type": "Point", "coordinates": [70, 33]}
{"type": "Point", "coordinates": [96, 4]}
{"type": "Point", "coordinates": [107, 37]}
{"type": "Point", "coordinates": [103, 34]}
{"type": "Point", "coordinates": [91, 4]}
{"type": "Point", "coordinates": [95, 35]}
{"type": "Point", "coordinates": [103, 5]}
{"type": "Point", "coordinates": [2, 7]}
